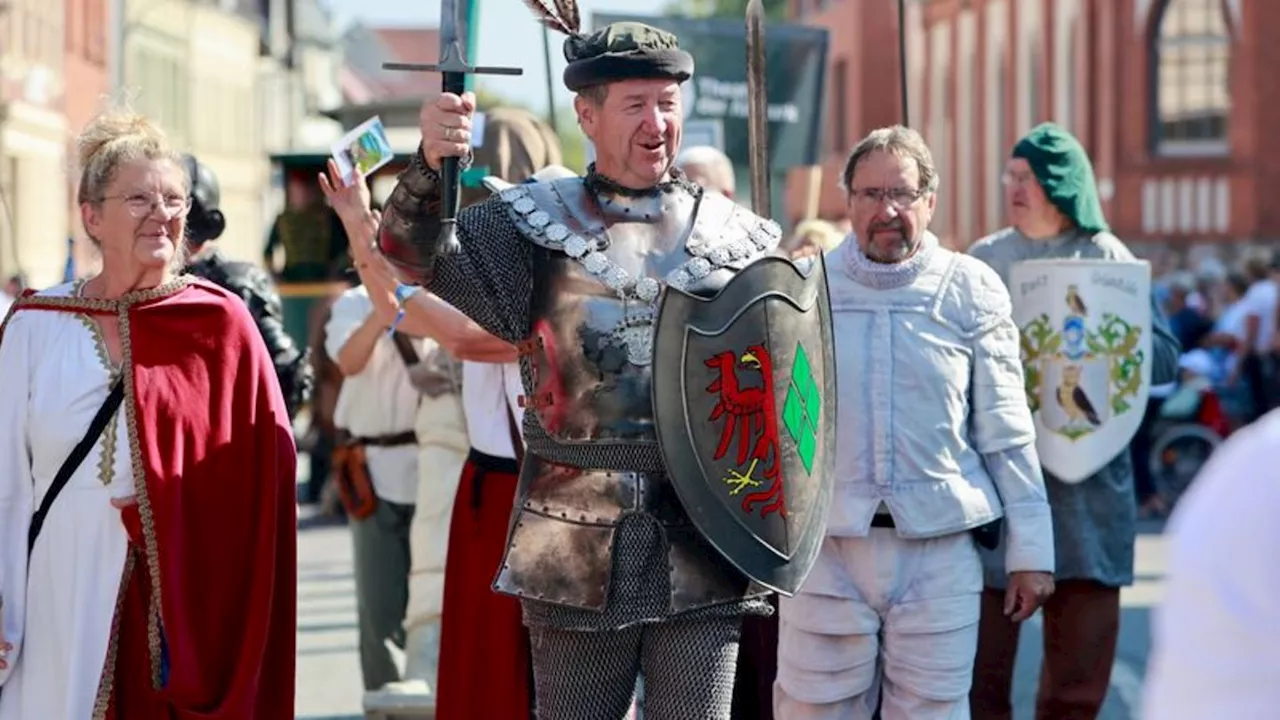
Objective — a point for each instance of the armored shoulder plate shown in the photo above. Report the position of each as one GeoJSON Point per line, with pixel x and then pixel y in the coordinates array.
{"type": "Point", "coordinates": [561, 216]}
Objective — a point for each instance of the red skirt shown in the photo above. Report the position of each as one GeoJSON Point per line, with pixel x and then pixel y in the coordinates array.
{"type": "Point", "coordinates": [484, 646]}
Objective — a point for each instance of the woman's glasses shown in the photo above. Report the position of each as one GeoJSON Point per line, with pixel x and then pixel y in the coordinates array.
{"type": "Point", "coordinates": [141, 205]}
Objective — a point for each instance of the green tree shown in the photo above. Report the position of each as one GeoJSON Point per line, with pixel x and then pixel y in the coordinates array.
{"type": "Point", "coordinates": [774, 10]}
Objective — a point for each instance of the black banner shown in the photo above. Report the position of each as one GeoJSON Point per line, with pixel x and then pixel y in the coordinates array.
{"type": "Point", "coordinates": [715, 100]}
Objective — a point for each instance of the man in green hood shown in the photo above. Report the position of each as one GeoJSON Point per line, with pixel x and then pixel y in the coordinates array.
{"type": "Point", "coordinates": [1052, 201]}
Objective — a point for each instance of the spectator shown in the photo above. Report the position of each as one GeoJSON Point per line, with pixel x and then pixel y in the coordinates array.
{"type": "Point", "coordinates": [709, 168]}
{"type": "Point", "coordinates": [1260, 302]}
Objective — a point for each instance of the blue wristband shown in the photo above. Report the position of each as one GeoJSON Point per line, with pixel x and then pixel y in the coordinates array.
{"type": "Point", "coordinates": [403, 293]}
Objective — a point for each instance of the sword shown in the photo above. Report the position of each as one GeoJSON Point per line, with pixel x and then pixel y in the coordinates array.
{"type": "Point", "coordinates": [758, 111]}
{"type": "Point", "coordinates": [453, 69]}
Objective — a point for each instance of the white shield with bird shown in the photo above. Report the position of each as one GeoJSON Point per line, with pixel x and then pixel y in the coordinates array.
{"type": "Point", "coordinates": [1086, 353]}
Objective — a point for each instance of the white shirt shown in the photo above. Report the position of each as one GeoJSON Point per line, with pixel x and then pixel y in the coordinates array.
{"type": "Point", "coordinates": [1215, 652]}
{"type": "Point", "coordinates": [378, 400]}
{"type": "Point", "coordinates": [1261, 301]}
{"type": "Point", "coordinates": [487, 389]}
{"type": "Point", "coordinates": [5, 302]}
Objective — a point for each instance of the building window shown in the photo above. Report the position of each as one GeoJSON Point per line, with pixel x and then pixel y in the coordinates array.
{"type": "Point", "coordinates": [1191, 54]}
{"type": "Point", "coordinates": [839, 111]}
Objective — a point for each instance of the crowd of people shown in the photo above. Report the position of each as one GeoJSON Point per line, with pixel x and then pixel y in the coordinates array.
{"type": "Point", "coordinates": [516, 527]}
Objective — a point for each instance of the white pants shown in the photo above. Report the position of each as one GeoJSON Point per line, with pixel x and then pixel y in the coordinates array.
{"type": "Point", "coordinates": [442, 451]}
{"type": "Point", "coordinates": [882, 619]}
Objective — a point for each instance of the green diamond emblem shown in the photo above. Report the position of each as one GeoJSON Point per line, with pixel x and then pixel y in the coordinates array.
{"type": "Point", "coordinates": [802, 409]}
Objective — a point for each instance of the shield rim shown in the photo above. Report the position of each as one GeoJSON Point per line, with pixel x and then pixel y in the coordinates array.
{"type": "Point", "coordinates": [1044, 435]}
{"type": "Point", "coordinates": [787, 574]}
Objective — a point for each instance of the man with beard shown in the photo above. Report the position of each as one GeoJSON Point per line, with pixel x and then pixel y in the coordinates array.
{"type": "Point", "coordinates": [614, 579]}
{"type": "Point", "coordinates": [251, 283]}
{"type": "Point", "coordinates": [936, 444]}
{"type": "Point", "coordinates": [1053, 203]}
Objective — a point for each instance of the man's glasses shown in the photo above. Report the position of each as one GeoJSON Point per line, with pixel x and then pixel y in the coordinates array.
{"type": "Point", "coordinates": [1021, 179]}
{"type": "Point", "coordinates": [900, 198]}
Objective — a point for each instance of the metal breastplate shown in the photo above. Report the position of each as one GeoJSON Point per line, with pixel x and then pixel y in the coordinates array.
{"type": "Point", "coordinates": [596, 295]}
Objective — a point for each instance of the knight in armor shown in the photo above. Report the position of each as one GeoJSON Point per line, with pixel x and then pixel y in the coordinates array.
{"type": "Point", "coordinates": [939, 448]}
{"type": "Point", "coordinates": [1052, 201]}
{"type": "Point", "coordinates": [613, 577]}
{"type": "Point", "coordinates": [251, 283]}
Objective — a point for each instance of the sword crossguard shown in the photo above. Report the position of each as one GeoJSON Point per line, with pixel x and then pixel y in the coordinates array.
{"type": "Point", "coordinates": [453, 69]}
{"type": "Point", "coordinates": [452, 62]}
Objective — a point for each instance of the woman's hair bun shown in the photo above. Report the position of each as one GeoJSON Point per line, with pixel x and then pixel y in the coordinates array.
{"type": "Point", "coordinates": [112, 126]}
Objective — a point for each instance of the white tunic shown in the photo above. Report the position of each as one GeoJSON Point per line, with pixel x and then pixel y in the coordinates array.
{"type": "Point", "coordinates": [379, 400]}
{"type": "Point", "coordinates": [54, 376]}
{"type": "Point", "coordinates": [487, 390]}
{"type": "Point", "coordinates": [1214, 651]}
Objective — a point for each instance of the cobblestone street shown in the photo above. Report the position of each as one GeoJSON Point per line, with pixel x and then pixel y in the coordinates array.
{"type": "Point", "coordinates": [329, 671]}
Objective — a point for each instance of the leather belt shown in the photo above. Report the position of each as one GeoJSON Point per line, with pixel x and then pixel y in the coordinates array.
{"type": "Point", "coordinates": [407, 437]}
{"type": "Point", "coordinates": [483, 465]}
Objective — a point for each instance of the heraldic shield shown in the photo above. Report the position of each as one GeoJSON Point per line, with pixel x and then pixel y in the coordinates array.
{"type": "Point", "coordinates": [1086, 355]}
{"type": "Point", "coordinates": [744, 395]}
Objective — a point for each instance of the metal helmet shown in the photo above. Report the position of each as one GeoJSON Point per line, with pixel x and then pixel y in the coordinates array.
{"type": "Point", "coordinates": [205, 221]}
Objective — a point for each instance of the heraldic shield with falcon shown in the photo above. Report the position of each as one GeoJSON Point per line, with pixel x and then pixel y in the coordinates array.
{"type": "Point", "coordinates": [745, 410]}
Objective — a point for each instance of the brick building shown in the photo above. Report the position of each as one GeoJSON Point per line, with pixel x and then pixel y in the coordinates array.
{"type": "Point", "coordinates": [1168, 96]}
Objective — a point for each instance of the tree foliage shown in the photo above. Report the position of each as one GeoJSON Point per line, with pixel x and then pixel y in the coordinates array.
{"type": "Point", "coordinates": [774, 10]}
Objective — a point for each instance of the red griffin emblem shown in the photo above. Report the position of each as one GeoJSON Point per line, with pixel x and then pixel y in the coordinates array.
{"type": "Point", "coordinates": [749, 413]}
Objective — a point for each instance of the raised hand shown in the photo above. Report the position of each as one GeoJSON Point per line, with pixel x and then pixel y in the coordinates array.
{"type": "Point", "coordinates": [351, 202]}
{"type": "Point", "coordinates": [445, 122]}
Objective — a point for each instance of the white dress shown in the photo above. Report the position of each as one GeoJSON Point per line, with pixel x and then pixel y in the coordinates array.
{"type": "Point", "coordinates": [54, 376]}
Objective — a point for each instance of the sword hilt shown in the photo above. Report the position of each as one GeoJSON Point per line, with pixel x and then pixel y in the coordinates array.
{"type": "Point", "coordinates": [451, 178]}
{"type": "Point", "coordinates": [453, 71]}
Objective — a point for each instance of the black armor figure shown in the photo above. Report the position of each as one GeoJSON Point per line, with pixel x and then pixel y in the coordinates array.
{"type": "Point", "coordinates": [205, 223]}
{"type": "Point", "coordinates": [613, 576]}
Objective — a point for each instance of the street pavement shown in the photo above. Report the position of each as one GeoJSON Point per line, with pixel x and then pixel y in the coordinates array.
{"type": "Point", "coordinates": [329, 686]}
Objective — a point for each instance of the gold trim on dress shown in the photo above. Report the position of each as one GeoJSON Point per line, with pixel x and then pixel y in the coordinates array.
{"type": "Point", "coordinates": [106, 684]}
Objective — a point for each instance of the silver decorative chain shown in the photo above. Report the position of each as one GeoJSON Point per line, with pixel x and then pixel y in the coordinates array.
{"type": "Point", "coordinates": [635, 331]}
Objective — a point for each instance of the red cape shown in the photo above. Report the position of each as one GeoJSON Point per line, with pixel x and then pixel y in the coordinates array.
{"type": "Point", "coordinates": [216, 521]}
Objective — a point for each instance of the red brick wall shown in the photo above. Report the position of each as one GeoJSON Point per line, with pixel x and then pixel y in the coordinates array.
{"type": "Point", "coordinates": [1111, 106]}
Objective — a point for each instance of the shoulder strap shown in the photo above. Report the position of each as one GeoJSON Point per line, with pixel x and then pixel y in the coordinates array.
{"type": "Point", "coordinates": [73, 461]}
{"type": "Point", "coordinates": [407, 353]}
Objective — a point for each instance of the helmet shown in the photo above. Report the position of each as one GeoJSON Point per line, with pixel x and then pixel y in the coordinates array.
{"type": "Point", "coordinates": [205, 221]}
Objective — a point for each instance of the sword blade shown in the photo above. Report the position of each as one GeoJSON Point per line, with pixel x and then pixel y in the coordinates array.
{"type": "Point", "coordinates": [452, 29]}
{"type": "Point", "coordinates": [758, 111]}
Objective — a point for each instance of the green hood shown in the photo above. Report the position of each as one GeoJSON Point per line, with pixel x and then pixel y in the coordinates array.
{"type": "Point", "coordinates": [1065, 173]}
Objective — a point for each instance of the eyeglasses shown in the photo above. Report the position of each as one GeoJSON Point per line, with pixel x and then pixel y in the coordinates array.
{"type": "Point", "coordinates": [900, 198]}
{"type": "Point", "coordinates": [142, 205]}
{"type": "Point", "coordinates": [1018, 179]}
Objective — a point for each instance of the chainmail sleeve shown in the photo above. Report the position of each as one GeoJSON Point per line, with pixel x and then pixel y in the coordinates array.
{"type": "Point", "coordinates": [488, 276]}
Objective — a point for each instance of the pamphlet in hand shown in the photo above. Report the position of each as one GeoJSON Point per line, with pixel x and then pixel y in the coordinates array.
{"type": "Point", "coordinates": [363, 150]}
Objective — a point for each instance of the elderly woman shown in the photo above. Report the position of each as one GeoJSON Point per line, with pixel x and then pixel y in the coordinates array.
{"type": "Point", "coordinates": [147, 524]}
